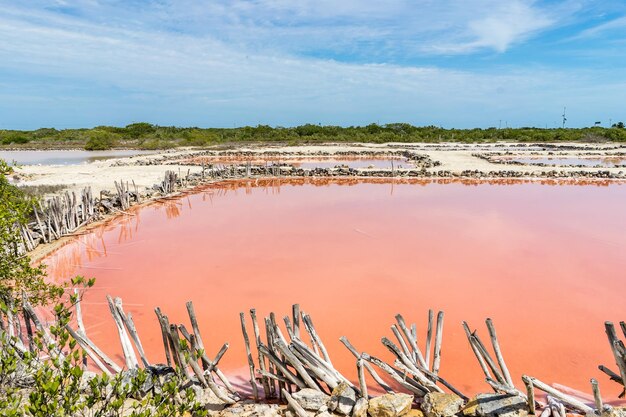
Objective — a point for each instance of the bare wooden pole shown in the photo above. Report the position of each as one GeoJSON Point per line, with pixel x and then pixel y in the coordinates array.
{"type": "Point", "coordinates": [429, 336]}
{"type": "Point", "coordinates": [530, 394]}
{"type": "Point", "coordinates": [295, 309]}
{"type": "Point", "coordinates": [308, 324]}
{"type": "Point", "coordinates": [417, 353]}
{"type": "Point", "coordinates": [163, 322]}
{"type": "Point", "coordinates": [255, 391]}
{"type": "Point", "coordinates": [361, 374]}
{"type": "Point", "coordinates": [498, 352]}
{"type": "Point", "coordinates": [297, 408]}
{"type": "Point", "coordinates": [620, 360]}
{"type": "Point", "coordinates": [596, 395]}
{"type": "Point", "coordinates": [257, 337]}
{"type": "Point", "coordinates": [438, 338]}
{"type": "Point", "coordinates": [194, 323]}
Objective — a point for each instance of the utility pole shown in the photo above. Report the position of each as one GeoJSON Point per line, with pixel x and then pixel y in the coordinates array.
{"type": "Point", "coordinates": [564, 118]}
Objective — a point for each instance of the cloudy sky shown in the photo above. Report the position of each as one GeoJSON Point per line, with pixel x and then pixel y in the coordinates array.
{"type": "Point", "coordinates": [453, 63]}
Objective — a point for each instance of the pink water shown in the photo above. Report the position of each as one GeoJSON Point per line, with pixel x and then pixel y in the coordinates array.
{"type": "Point", "coordinates": [545, 262]}
{"type": "Point", "coordinates": [311, 162]}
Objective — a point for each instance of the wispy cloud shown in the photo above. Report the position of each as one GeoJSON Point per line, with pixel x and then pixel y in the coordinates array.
{"type": "Point", "coordinates": [248, 62]}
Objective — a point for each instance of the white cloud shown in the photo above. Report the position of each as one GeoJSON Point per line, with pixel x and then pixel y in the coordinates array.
{"type": "Point", "coordinates": [97, 68]}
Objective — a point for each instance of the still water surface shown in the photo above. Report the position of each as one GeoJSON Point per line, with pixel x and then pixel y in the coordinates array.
{"type": "Point", "coordinates": [69, 157]}
{"type": "Point", "coordinates": [545, 262]}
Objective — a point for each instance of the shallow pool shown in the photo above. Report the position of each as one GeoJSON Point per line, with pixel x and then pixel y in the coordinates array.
{"type": "Point", "coordinates": [544, 260]}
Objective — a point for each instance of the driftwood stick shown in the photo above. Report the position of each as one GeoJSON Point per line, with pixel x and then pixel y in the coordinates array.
{"type": "Point", "coordinates": [417, 353]}
{"type": "Point", "coordinates": [255, 391]}
{"type": "Point", "coordinates": [175, 345]}
{"type": "Point", "coordinates": [419, 376]}
{"type": "Point", "coordinates": [429, 336]}
{"type": "Point", "coordinates": [308, 324]}
{"type": "Point", "coordinates": [87, 350]}
{"type": "Point", "coordinates": [297, 408]}
{"type": "Point", "coordinates": [369, 368]}
{"type": "Point", "coordinates": [272, 376]}
{"type": "Point", "coordinates": [481, 361]}
{"type": "Point", "coordinates": [596, 395]}
{"type": "Point", "coordinates": [317, 366]}
{"type": "Point", "coordinates": [496, 348]}
{"type": "Point", "coordinates": [361, 373]}
{"type": "Point", "coordinates": [194, 323]}
{"type": "Point", "coordinates": [295, 312]}
{"type": "Point", "coordinates": [483, 351]}
{"type": "Point", "coordinates": [438, 338]}
{"type": "Point", "coordinates": [571, 401]}
{"type": "Point", "coordinates": [530, 394]}
{"type": "Point", "coordinates": [614, 377]}
{"type": "Point", "coordinates": [257, 337]}
{"type": "Point", "coordinates": [281, 367]}
{"type": "Point", "coordinates": [403, 345]}
{"type": "Point", "coordinates": [164, 323]}
{"type": "Point", "coordinates": [130, 326]}
{"type": "Point", "coordinates": [28, 308]}
{"type": "Point", "coordinates": [127, 347]}
{"type": "Point", "coordinates": [504, 388]}
{"type": "Point", "coordinates": [295, 362]}
{"type": "Point", "coordinates": [395, 375]}
{"type": "Point", "coordinates": [613, 341]}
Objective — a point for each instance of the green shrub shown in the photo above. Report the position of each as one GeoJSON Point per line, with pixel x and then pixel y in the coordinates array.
{"type": "Point", "coordinates": [99, 141]}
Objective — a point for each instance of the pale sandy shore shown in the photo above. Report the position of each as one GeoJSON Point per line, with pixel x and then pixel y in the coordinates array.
{"type": "Point", "coordinates": [147, 170]}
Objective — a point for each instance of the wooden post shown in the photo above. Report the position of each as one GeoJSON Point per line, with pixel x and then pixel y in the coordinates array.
{"type": "Point", "coordinates": [249, 356]}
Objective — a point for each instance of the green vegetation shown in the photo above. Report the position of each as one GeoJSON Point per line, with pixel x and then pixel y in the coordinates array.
{"type": "Point", "coordinates": [43, 374]}
{"type": "Point", "coordinates": [148, 136]}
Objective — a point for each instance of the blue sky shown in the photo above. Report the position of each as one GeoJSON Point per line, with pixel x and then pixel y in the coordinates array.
{"type": "Point", "coordinates": [453, 63]}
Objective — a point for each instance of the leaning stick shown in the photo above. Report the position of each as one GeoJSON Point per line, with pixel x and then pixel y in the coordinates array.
{"type": "Point", "coordinates": [163, 322]}
{"type": "Point", "coordinates": [498, 352]}
{"type": "Point", "coordinates": [295, 311]}
{"type": "Point", "coordinates": [308, 324]}
{"type": "Point", "coordinates": [177, 351]}
{"type": "Point", "coordinates": [530, 394]}
{"type": "Point", "coordinates": [87, 350]}
{"type": "Point", "coordinates": [481, 361]}
{"type": "Point", "coordinates": [130, 326]}
{"type": "Point", "coordinates": [438, 337]}
{"type": "Point", "coordinates": [483, 351]}
{"type": "Point", "coordinates": [614, 377]}
{"type": "Point", "coordinates": [28, 308]}
{"type": "Point", "coordinates": [596, 395]}
{"type": "Point", "coordinates": [127, 348]}
{"type": "Point", "coordinates": [297, 408]}
{"type": "Point", "coordinates": [255, 391]}
{"type": "Point", "coordinates": [361, 373]}
{"type": "Point", "coordinates": [369, 368]}
{"type": "Point", "coordinates": [194, 323]}
{"type": "Point", "coordinates": [295, 362]}
{"type": "Point", "coordinates": [419, 376]}
{"type": "Point", "coordinates": [280, 366]}
{"type": "Point", "coordinates": [403, 345]}
{"type": "Point", "coordinates": [571, 401]}
{"type": "Point", "coordinates": [394, 374]}
{"type": "Point", "coordinates": [613, 341]}
{"type": "Point", "coordinates": [257, 337]}
{"type": "Point", "coordinates": [436, 378]}
{"type": "Point", "coordinates": [417, 353]}
{"type": "Point", "coordinates": [429, 336]}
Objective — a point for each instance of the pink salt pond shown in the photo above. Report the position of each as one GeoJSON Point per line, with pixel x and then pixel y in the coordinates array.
{"type": "Point", "coordinates": [544, 261]}
{"type": "Point", "coordinates": [313, 162]}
